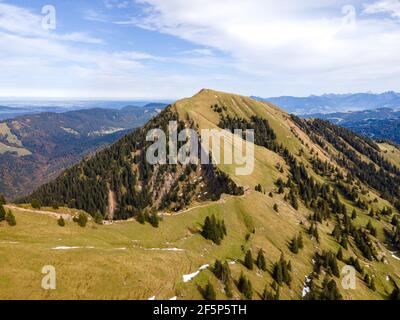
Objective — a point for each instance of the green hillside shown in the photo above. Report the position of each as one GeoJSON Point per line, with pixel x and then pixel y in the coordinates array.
{"type": "Point", "coordinates": [339, 191]}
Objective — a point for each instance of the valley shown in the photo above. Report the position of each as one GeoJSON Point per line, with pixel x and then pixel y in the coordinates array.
{"type": "Point", "coordinates": [34, 149]}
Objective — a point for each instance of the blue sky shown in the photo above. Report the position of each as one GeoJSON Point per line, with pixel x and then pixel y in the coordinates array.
{"type": "Point", "coordinates": [168, 49]}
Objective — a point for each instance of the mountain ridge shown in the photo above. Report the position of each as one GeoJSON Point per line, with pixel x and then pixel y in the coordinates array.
{"type": "Point", "coordinates": [338, 190]}
{"type": "Point", "coordinates": [329, 103]}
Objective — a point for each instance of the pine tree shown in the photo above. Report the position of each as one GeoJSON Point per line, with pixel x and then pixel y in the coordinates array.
{"type": "Point", "coordinates": [141, 217]}
{"type": "Point", "coordinates": [395, 295]}
{"type": "Point", "coordinates": [218, 269]}
{"type": "Point", "coordinates": [267, 295]}
{"type": "Point", "coordinates": [3, 200]}
{"type": "Point", "coordinates": [278, 273]}
{"type": "Point", "coordinates": [10, 218]}
{"type": "Point", "coordinates": [227, 279]}
{"type": "Point", "coordinates": [2, 213]}
{"type": "Point", "coordinates": [300, 242]}
{"type": "Point", "coordinates": [260, 262]}
{"type": "Point", "coordinates": [276, 208]}
{"type": "Point", "coordinates": [214, 229]}
{"type": "Point", "coordinates": [372, 285]}
{"type": "Point", "coordinates": [330, 290]}
{"type": "Point", "coordinates": [98, 218]}
{"type": "Point", "coordinates": [354, 214]}
{"type": "Point", "coordinates": [344, 242]}
{"type": "Point", "coordinates": [61, 222]}
{"type": "Point", "coordinates": [155, 220]}
{"type": "Point", "coordinates": [209, 292]}
{"type": "Point", "coordinates": [248, 260]}
{"type": "Point", "coordinates": [339, 255]}
{"type": "Point", "coordinates": [294, 246]}
{"type": "Point", "coordinates": [36, 204]}
{"type": "Point", "coordinates": [245, 287]}
{"type": "Point", "coordinates": [82, 220]}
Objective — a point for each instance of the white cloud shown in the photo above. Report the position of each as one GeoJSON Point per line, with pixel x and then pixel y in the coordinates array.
{"type": "Point", "coordinates": [292, 44]}
{"type": "Point", "coordinates": [386, 6]}
{"type": "Point", "coordinates": [119, 4]}
{"type": "Point", "coordinates": [35, 62]}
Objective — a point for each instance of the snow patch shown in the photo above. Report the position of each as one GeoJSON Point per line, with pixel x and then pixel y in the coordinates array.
{"type": "Point", "coordinates": [164, 249]}
{"type": "Point", "coordinates": [188, 277]}
{"type": "Point", "coordinates": [71, 248]}
{"type": "Point", "coordinates": [396, 257]}
{"type": "Point", "coordinates": [306, 288]}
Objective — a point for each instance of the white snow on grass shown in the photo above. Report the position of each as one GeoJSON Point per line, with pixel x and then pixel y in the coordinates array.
{"type": "Point", "coordinates": [306, 288]}
{"type": "Point", "coordinates": [152, 298]}
{"type": "Point", "coordinates": [9, 242]}
{"type": "Point", "coordinates": [188, 277]}
{"type": "Point", "coordinates": [164, 249]}
{"type": "Point", "coordinates": [71, 248]}
{"type": "Point", "coordinates": [174, 298]}
{"type": "Point", "coordinates": [396, 257]}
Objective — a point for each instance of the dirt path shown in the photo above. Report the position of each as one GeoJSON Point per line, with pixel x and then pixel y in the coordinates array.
{"type": "Point", "coordinates": [65, 216]}
{"type": "Point", "coordinates": [207, 204]}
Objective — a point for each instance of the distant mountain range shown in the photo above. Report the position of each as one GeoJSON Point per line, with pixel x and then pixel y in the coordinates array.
{"type": "Point", "coordinates": [13, 108]}
{"type": "Point", "coordinates": [36, 148]}
{"type": "Point", "coordinates": [329, 103]}
{"type": "Point", "coordinates": [382, 123]}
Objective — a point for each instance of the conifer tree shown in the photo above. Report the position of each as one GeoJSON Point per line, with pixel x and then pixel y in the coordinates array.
{"type": "Point", "coordinates": [61, 222]}
{"type": "Point", "coordinates": [300, 242]}
{"type": "Point", "coordinates": [209, 292]}
{"type": "Point", "coordinates": [245, 287]}
{"type": "Point", "coordinates": [261, 264]}
{"type": "Point", "coordinates": [3, 200]}
{"type": "Point", "coordinates": [214, 229]}
{"type": "Point", "coordinates": [2, 213]}
{"type": "Point", "coordinates": [36, 204]}
{"type": "Point", "coordinates": [141, 217]}
{"type": "Point", "coordinates": [227, 279]}
{"type": "Point", "coordinates": [248, 260]}
{"type": "Point", "coordinates": [395, 295]}
{"type": "Point", "coordinates": [294, 246]}
{"type": "Point", "coordinates": [10, 218]}
{"type": "Point", "coordinates": [155, 220]}
{"type": "Point", "coordinates": [276, 208]}
{"type": "Point", "coordinates": [82, 220]}
{"type": "Point", "coordinates": [98, 218]}
{"type": "Point", "coordinates": [354, 214]}
{"type": "Point", "coordinates": [267, 295]}
{"type": "Point", "coordinates": [339, 255]}
{"type": "Point", "coordinates": [218, 269]}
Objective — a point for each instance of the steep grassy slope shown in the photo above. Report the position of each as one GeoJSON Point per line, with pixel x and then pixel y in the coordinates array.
{"type": "Point", "coordinates": [124, 260]}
